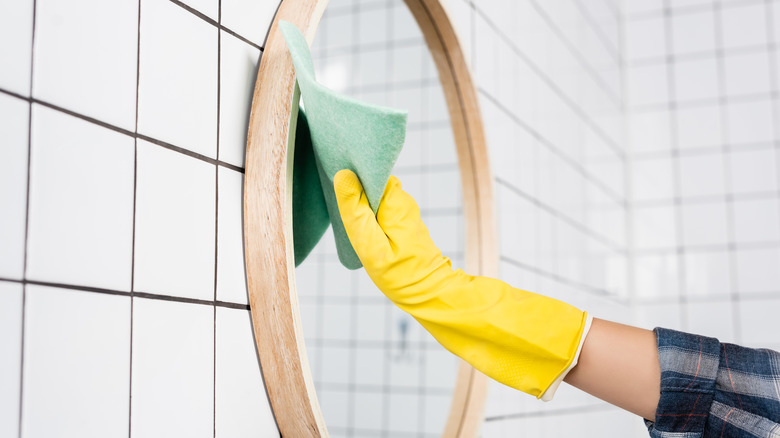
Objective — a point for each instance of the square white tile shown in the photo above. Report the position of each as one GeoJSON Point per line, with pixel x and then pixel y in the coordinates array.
{"type": "Point", "coordinates": [369, 410]}
{"type": "Point", "coordinates": [372, 25]}
{"type": "Point", "coordinates": [403, 412]}
{"type": "Point", "coordinates": [370, 364]}
{"type": "Point", "coordinates": [81, 202]}
{"type": "Point", "coordinates": [336, 321]}
{"type": "Point", "coordinates": [231, 275]}
{"type": "Point", "coordinates": [654, 227]}
{"type": "Point", "coordinates": [248, 18]}
{"type": "Point", "coordinates": [86, 58]}
{"type": "Point", "coordinates": [647, 85]}
{"type": "Point", "coordinates": [76, 364]}
{"type": "Point", "coordinates": [750, 122]}
{"type": "Point", "coordinates": [334, 405]}
{"type": "Point", "coordinates": [696, 78]}
{"type": "Point", "coordinates": [712, 318]}
{"type": "Point", "coordinates": [177, 88]}
{"type": "Point", "coordinates": [14, 116]}
{"type": "Point", "coordinates": [744, 25]}
{"type": "Point", "coordinates": [756, 220]}
{"type": "Point", "coordinates": [704, 224]}
{"type": "Point", "coordinates": [701, 175]}
{"type": "Point", "coordinates": [173, 369]}
{"type": "Point", "coordinates": [649, 131]}
{"type": "Point", "coordinates": [747, 73]}
{"type": "Point", "coordinates": [757, 321]}
{"type": "Point", "coordinates": [708, 273]}
{"type": "Point", "coordinates": [16, 23]}
{"type": "Point", "coordinates": [645, 38]}
{"type": "Point", "coordinates": [441, 368]}
{"type": "Point", "coordinates": [174, 229]}
{"type": "Point", "coordinates": [371, 321]}
{"type": "Point", "coordinates": [652, 179]}
{"type": "Point", "coordinates": [336, 365]}
{"type": "Point", "coordinates": [10, 356]}
{"type": "Point", "coordinates": [693, 32]}
{"type": "Point", "coordinates": [656, 275]}
{"type": "Point", "coordinates": [757, 270]}
{"type": "Point", "coordinates": [243, 408]}
{"type": "Point", "coordinates": [753, 171]}
{"type": "Point", "coordinates": [238, 63]}
{"type": "Point", "coordinates": [699, 127]}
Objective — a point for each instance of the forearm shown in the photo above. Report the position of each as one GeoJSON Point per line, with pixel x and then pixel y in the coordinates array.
{"type": "Point", "coordinates": [619, 364]}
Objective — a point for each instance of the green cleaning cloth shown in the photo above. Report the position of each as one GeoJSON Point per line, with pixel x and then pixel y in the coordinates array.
{"type": "Point", "coordinates": [344, 133]}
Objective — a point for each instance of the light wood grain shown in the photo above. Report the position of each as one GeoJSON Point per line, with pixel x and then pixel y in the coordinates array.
{"type": "Point", "coordinates": [268, 216]}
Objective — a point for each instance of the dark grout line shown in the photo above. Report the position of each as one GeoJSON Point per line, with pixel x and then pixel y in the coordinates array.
{"type": "Point", "coordinates": [563, 280]}
{"type": "Point", "coordinates": [554, 149]}
{"type": "Point", "coordinates": [216, 24]}
{"type": "Point", "coordinates": [562, 217]}
{"type": "Point", "coordinates": [132, 134]}
{"type": "Point", "coordinates": [620, 153]}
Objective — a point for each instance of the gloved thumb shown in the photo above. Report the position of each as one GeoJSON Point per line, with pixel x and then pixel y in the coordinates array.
{"type": "Point", "coordinates": [367, 237]}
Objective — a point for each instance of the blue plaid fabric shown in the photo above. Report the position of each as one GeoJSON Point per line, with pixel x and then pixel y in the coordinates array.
{"type": "Point", "coordinates": [710, 389]}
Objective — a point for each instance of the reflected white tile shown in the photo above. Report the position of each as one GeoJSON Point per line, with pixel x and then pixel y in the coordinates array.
{"type": "Point", "coordinates": [335, 366]}
{"type": "Point", "coordinates": [756, 220]}
{"type": "Point", "coordinates": [372, 25]}
{"type": "Point", "coordinates": [334, 405]}
{"type": "Point", "coordinates": [86, 57]}
{"type": "Point", "coordinates": [10, 356]}
{"type": "Point", "coordinates": [436, 412]}
{"type": "Point", "coordinates": [239, 62]}
{"type": "Point", "coordinates": [231, 277]}
{"type": "Point", "coordinates": [177, 88]}
{"type": "Point", "coordinates": [242, 406]}
{"type": "Point", "coordinates": [338, 31]}
{"type": "Point", "coordinates": [369, 410]}
{"type": "Point", "coordinates": [81, 202]}
{"type": "Point", "coordinates": [174, 229]}
{"type": "Point", "coordinates": [441, 368]}
{"type": "Point", "coordinates": [403, 412]}
{"type": "Point", "coordinates": [77, 363]}
{"type": "Point", "coordinates": [758, 270]}
{"type": "Point", "coordinates": [173, 369]}
{"type": "Point", "coordinates": [14, 115]}
{"type": "Point", "coordinates": [370, 365]}
{"type": "Point", "coordinates": [754, 318]}
{"type": "Point", "coordinates": [16, 24]}
{"type": "Point", "coordinates": [753, 171]}
{"type": "Point", "coordinates": [371, 321]}
{"type": "Point", "coordinates": [337, 321]}
{"type": "Point", "coordinates": [250, 19]}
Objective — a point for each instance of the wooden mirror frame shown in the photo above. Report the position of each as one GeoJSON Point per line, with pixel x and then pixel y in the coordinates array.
{"type": "Point", "coordinates": [270, 263]}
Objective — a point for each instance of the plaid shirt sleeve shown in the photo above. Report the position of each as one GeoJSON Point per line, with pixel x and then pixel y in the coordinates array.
{"type": "Point", "coordinates": [713, 389]}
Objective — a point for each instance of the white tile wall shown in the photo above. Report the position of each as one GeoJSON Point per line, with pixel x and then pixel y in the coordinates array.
{"type": "Point", "coordinates": [10, 359]}
{"type": "Point", "coordinates": [16, 24]}
{"type": "Point", "coordinates": [242, 408]}
{"type": "Point", "coordinates": [172, 369]}
{"type": "Point", "coordinates": [76, 363]}
{"type": "Point", "coordinates": [174, 229]}
{"type": "Point", "coordinates": [86, 57]}
{"type": "Point", "coordinates": [177, 89]}
{"type": "Point", "coordinates": [116, 215]}
{"type": "Point", "coordinates": [81, 202]}
{"type": "Point", "coordinates": [14, 125]}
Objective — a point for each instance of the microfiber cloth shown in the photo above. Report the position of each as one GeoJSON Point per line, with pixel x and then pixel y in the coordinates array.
{"type": "Point", "coordinates": [343, 133]}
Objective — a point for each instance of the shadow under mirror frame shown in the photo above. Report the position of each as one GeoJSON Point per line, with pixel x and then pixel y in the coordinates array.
{"type": "Point", "coordinates": [270, 264]}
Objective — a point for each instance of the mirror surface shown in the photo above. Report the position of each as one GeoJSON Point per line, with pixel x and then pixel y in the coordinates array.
{"type": "Point", "coordinates": [376, 371]}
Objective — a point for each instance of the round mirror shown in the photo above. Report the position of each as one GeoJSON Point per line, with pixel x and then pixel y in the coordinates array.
{"type": "Point", "coordinates": [339, 359]}
{"type": "Point", "coordinates": [376, 371]}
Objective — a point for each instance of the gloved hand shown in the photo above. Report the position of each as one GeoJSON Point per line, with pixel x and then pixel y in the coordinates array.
{"type": "Point", "coordinates": [522, 339]}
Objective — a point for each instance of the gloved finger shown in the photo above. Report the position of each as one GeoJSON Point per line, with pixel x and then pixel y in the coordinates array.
{"type": "Point", "coordinates": [365, 234]}
{"type": "Point", "coordinates": [399, 215]}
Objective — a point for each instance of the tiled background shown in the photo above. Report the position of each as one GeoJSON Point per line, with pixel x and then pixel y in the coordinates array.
{"type": "Point", "coordinates": [634, 146]}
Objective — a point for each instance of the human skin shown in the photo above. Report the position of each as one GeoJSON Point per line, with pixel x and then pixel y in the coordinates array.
{"type": "Point", "coordinates": [619, 364]}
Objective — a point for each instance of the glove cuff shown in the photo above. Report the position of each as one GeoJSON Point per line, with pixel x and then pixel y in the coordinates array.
{"type": "Point", "coordinates": [549, 393]}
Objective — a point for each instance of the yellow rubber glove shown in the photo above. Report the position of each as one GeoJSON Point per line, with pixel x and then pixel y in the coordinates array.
{"type": "Point", "coordinates": [521, 339]}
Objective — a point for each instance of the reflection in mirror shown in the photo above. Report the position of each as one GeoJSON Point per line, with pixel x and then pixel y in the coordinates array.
{"type": "Point", "coordinates": [376, 371]}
